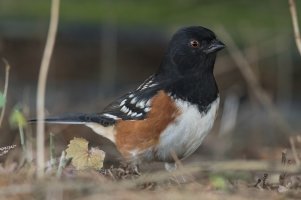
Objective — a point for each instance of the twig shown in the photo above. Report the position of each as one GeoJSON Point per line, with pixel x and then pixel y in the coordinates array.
{"type": "Point", "coordinates": [264, 180]}
{"type": "Point", "coordinates": [111, 174]}
{"type": "Point", "coordinates": [293, 10]}
{"type": "Point", "coordinates": [283, 157]}
{"type": "Point", "coordinates": [253, 83]}
{"type": "Point", "coordinates": [216, 166]}
{"type": "Point", "coordinates": [294, 151]}
{"type": "Point", "coordinates": [61, 164]}
{"type": "Point", "coordinates": [257, 183]}
{"type": "Point", "coordinates": [42, 86]}
{"type": "Point", "coordinates": [7, 67]}
{"type": "Point", "coordinates": [241, 165]}
{"type": "Point", "coordinates": [283, 174]}
{"type": "Point", "coordinates": [51, 151]}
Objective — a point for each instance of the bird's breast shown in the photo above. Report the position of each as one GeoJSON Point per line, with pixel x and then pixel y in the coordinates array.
{"type": "Point", "coordinates": [187, 132]}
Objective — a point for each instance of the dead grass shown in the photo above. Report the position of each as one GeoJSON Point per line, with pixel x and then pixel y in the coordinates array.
{"type": "Point", "coordinates": [206, 180]}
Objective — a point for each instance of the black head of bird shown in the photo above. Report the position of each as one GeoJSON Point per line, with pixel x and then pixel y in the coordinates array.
{"type": "Point", "coordinates": [191, 50]}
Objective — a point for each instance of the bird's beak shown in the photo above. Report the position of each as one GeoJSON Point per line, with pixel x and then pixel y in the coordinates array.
{"type": "Point", "coordinates": [215, 46]}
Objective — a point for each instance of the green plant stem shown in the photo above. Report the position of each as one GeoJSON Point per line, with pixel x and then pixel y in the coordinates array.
{"type": "Point", "coordinates": [61, 164]}
{"type": "Point", "coordinates": [21, 132]}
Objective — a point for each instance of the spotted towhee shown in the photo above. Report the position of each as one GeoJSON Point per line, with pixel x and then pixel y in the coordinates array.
{"type": "Point", "coordinates": [172, 111]}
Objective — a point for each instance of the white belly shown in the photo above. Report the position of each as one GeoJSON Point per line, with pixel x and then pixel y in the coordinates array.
{"type": "Point", "coordinates": [187, 133]}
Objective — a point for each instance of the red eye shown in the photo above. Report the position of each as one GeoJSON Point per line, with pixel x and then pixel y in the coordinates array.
{"type": "Point", "coordinates": [194, 43]}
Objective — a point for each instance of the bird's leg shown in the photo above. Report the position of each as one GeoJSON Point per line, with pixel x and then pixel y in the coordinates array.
{"type": "Point", "coordinates": [171, 167]}
{"type": "Point", "coordinates": [136, 169]}
{"type": "Point", "coordinates": [133, 166]}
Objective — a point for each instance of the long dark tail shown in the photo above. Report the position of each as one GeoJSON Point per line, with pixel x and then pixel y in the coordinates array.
{"type": "Point", "coordinates": [78, 118]}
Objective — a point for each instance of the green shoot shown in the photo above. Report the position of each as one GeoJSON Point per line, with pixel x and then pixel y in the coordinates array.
{"type": "Point", "coordinates": [63, 162]}
{"type": "Point", "coordinates": [17, 119]}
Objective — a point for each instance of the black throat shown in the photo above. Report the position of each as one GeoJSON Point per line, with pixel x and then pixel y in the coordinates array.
{"type": "Point", "coordinates": [197, 85]}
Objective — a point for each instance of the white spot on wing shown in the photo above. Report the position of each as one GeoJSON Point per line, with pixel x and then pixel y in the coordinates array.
{"type": "Point", "coordinates": [147, 84]}
{"type": "Point", "coordinates": [123, 109]}
{"type": "Point", "coordinates": [123, 102]}
{"type": "Point", "coordinates": [134, 100]}
{"type": "Point", "coordinates": [148, 103]}
{"type": "Point", "coordinates": [139, 115]}
{"type": "Point", "coordinates": [141, 104]}
{"type": "Point", "coordinates": [152, 85]}
{"type": "Point", "coordinates": [110, 116]}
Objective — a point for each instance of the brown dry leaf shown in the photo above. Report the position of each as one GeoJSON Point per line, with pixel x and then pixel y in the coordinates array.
{"type": "Point", "coordinates": [82, 157]}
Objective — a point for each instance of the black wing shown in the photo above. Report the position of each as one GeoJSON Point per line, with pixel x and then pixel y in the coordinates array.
{"type": "Point", "coordinates": [132, 106]}
{"type": "Point", "coordinates": [136, 104]}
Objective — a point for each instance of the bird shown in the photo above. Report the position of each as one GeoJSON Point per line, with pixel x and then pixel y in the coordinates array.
{"type": "Point", "coordinates": [171, 112]}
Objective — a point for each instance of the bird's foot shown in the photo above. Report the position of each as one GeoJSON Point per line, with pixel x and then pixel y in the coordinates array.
{"type": "Point", "coordinates": [177, 178]}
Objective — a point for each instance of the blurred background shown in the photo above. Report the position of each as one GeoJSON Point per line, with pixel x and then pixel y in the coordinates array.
{"type": "Point", "coordinates": [104, 48]}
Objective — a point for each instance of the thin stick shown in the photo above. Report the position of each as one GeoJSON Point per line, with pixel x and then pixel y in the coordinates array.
{"type": "Point", "coordinates": [42, 86]}
{"type": "Point", "coordinates": [253, 83]}
{"type": "Point", "coordinates": [51, 150]}
{"type": "Point", "coordinates": [7, 67]}
{"type": "Point", "coordinates": [294, 151]}
{"type": "Point", "coordinates": [293, 10]}
{"type": "Point", "coordinates": [204, 166]}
